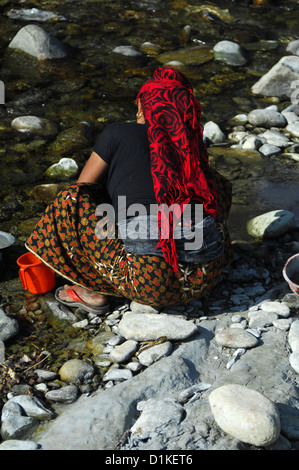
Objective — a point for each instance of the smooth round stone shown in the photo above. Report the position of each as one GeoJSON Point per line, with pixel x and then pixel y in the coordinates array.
{"type": "Point", "coordinates": [65, 168]}
{"type": "Point", "coordinates": [16, 444]}
{"type": "Point", "coordinates": [266, 118]}
{"type": "Point", "coordinates": [271, 224]}
{"type": "Point", "coordinates": [245, 414]}
{"type": "Point", "coordinates": [294, 361]}
{"type": "Point", "coordinates": [34, 124]}
{"type": "Point", "coordinates": [281, 309]}
{"type": "Point", "coordinates": [262, 319]}
{"type": "Point", "coordinates": [76, 370]}
{"type": "Point", "coordinates": [151, 326]}
{"type": "Point", "coordinates": [293, 128]}
{"type": "Point", "coordinates": [293, 337]}
{"type": "Point", "coordinates": [235, 338]}
{"type": "Point", "coordinates": [213, 132]}
{"type": "Point", "coordinates": [229, 52]}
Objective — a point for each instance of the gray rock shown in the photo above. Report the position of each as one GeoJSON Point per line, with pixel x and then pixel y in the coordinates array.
{"type": "Point", "coordinates": [16, 444]}
{"type": "Point", "coordinates": [268, 150]}
{"type": "Point", "coordinates": [229, 52]}
{"type": "Point", "coordinates": [67, 394]}
{"type": "Point", "coordinates": [65, 168]}
{"type": "Point", "coordinates": [151, 326]}
{"type": "Point", "coordinates": [280, 308]}
{"type": "Point", "coordinates": [115, 374]}
{"type": "Point", "coordinates": [266, 118]}
{"type": "Point", "coordinates": [35, 41]}
{"type": "Point", "coordinates": [271, 224]}
{"type": "Point", "coordinates": [32, 407]}
{"type": "Point", "coordinates": [293, 128]}
{"type": "Point", "coordinates": [155, 353]}
{"type": "Point", "coordinates": [261, 319]}
{"type": "Point", "coordinates": [276, 138]}
{"type": "Point", "coordinates": [8, 327]}
{"type": "Point", "coordinates": [293, 337]}
{"type": "Point", "coordinates": [124, 351]}
{"type": "Point", "coordinates": [278, 80]}
{"type": "Point", "coordinates": [14, 424]}
{"type": "Point", "coordinates": [76, 371]}
{"type": "Point", "coordinates": [293, 47]}
{"type": "Point", "coordinates": [128, 51]}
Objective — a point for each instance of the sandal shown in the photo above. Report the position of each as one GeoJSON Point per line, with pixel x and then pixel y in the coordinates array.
{"type": "Point", "coordinates": [78, 302]}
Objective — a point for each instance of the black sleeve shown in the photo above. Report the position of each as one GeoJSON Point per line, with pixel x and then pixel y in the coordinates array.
{"type": "Point", "coordinates": [106, 144]}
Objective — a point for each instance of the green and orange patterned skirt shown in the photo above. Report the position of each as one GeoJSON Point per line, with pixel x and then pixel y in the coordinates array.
{"type": "Point", "coordinates": [65, 239]}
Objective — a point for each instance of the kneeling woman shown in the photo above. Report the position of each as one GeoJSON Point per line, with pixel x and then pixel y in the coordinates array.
{"type": "Point", "coordinates": [159, 161]}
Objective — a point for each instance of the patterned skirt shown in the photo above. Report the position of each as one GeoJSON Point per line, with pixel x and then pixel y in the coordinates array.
{"type": "Point", "coordinates": [65, 239]}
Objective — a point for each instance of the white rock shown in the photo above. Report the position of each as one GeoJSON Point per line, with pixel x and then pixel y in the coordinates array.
{"type": "Point", "coordinates": [213, 132]}
{"type": "Point", "coordinates": [281, 309]}
{"type": "Point", "coordinates": [117, 374]}
{"type": "Point", "coordinates": [229, 52]}
{"type": "Point", "coordinates": [293, 337]}
{"type": "Point", "coordinates": [268, 150]}
{"type": "Point", "coordinates": [235, 338]}
{"type": "Point", "coordinates": [245, 414]}
{"type": "Point", "coordinates": [293, 128]}
{"type": "Point", "coordinates": [262, 319]}
{"type": "Point", "coordinates": [34, 124]}
{"type": "Point", "coordinates": [65, 168]}
{"type": "Point", "coordinates": [155, 353]}
{"type": "Point", "coordinates": [124, 351]}
{"type": "Point", "coordinates": [271, 224]}
{"type": "Point", "coordinates": [294, 361]}
{"type": "Point", "coordinates": [127, 51]}
{"type": "Point", "coordinates": [266, 118]}
{"type": "Point", "coordinates": [35, 41]}
{"type": "Point", "coordinates": [278, 80]}
{"type": "Point", "coordinates": [151, 326]}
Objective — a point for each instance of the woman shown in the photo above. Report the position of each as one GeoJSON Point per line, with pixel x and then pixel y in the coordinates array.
{"type": "Point", "coordinates": [159, 161]}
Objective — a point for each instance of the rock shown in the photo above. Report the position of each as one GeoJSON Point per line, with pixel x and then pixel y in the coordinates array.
{"type": "Point", "coordinates": [9, 327]}
{"type": "Point", "coordinates": [46, 192]}
{"type": "Point", "coordinates": [235, 338]}
{"type": "Point", "coordinates": [213, 132]}
{"type": "Point", "coordinates": [261, 319]}
{"type": "Point", "coordinates": [266, 118]}
{"type": "Point", "coordinates": [117, 375]}
{"type": "Point", "coordinates": [155, 415]}
{"type": "Point", "coordinates": [34, 125]}
{"type": "Point", "coordinates": [245, 414]}
{"type": "Point", "coordinates": [294, 361]}
{"type": "Point", "coordinates": [14, 424]}
{"type": "Point", "coordinates": [155, 353]}
{"type": "Point", "coordinates": [268, 150]}
{"type": "Point", "coordinates": [64, 169]}
{"type": "Point", "coordinates": [293, 128]}
{"type": "Point", "coordinates": [252, 143]}
{"type": "Point", "coordinates": [283, 324]}
{"type": "Point", "coordinates": [67, 394]}
{"type": "Point", "coordinates": [76, 371]}
{"type": "Point", "coordinates": [142, 308]}
{"type": "Point", "coordinates": [293, 337]}
{"type": "Point", "coordinates": [278, 80]}
{"type": "Point", "coordinates": [276, 138]}
{"type": "Point", "coordinates": [189, 392]}
{"type": "Point", "coordinates": [280, 308]}
{"type": "Point", "coordinates": [56, 309]}
{"type": "Point", "coordinates": [151, 326]}
{"type": "Point", "coordinates": [32, 407]}
{"type": "Point", "coordinates": [293, 47]}
{"type": "Point", "coordinates": [72, 139]}
{"type": "Point", "coordinates": [35, 41]}
{"type": "Point", "coordinates": [124, 351]}
{"type": "Point", "coordinates": [229, 52]}
{"type": "Point", "coordinates": [128, 51]}
{"type": "Point", "coordinates": [16, 444]}
{"type": "Point", "coordinates": [271, 224]}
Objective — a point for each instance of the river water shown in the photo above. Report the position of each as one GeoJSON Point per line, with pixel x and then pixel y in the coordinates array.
{"type": "Point", "coordinates": [97, 86]}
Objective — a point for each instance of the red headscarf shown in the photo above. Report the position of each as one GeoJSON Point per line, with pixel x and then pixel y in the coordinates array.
{"type": "Point", "coordinates": [179, 159]}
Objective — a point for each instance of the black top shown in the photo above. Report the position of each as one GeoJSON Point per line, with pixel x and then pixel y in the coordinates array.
{"type": "Point", "coordinates": [125, 147]}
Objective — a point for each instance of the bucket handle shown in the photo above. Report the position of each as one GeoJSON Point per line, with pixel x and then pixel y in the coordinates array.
{"type": "Point", "coordinates": [23, 277]}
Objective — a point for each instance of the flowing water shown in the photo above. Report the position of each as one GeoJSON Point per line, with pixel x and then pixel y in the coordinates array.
{"type": "Point", "coordinates": [97, 86]}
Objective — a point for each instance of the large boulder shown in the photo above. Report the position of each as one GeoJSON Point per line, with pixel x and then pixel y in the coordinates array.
{"type": "Point", "coordinates": [37, 42]}
{"type": "Point", "coordinates": [279, 80]}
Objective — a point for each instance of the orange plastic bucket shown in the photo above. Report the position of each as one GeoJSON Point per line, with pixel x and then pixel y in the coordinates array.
{"type": "Point", "coordinates": [291, 273]}
{"type": "Point", "coordinates": [35, 275]}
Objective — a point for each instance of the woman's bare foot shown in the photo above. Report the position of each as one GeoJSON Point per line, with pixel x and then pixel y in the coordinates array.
{"type": "Point", "coordinates": [86, 295]}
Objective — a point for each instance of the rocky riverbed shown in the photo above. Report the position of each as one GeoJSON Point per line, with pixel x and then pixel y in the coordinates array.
{"type": "Point", "coordinates": [220, 373]}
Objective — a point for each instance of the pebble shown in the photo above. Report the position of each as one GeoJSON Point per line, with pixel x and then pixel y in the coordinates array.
{"type": "Point", "coordinates": [124, 351]}
{"type": "Point", "coordinates": [261, 319]}
{"type": "Point", "coordinates": [76, 370]}
{"type": "Point", "coordinates": [17, 444]}
{"type": "Point", "coordinates": [213, 133]}
{"type": "Point", "coordinates": [235, 338]}
{"type": "Point", "coordinates": [266, 118]}
{"type": "Point", "coordinates": [9, 327]}
{"type": "Point", "coordinates": [67, 394]}
{"type": "Point", "coordinates": [245, 414]}
{"type": "Point", "coordinates": [280, 308]}
{"type": "Point", "coordinates": [65, 168]}
{"type": "Point", "coordinates": [34, 125]}
{"type": "Point", "coordinates": [117, 375]}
